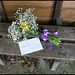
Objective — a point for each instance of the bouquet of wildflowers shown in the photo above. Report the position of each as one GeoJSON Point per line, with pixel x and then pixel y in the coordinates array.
{"type": "Point", "coordinates": [26, 27]}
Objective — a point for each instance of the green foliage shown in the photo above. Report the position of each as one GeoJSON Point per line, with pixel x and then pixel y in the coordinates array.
{"type": "Point", "coordinates": [54, 40]}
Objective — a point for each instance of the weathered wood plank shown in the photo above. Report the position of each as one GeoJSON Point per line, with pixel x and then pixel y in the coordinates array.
{"type": "Point", "coordinates": [43, 14]}
{"type": "Point", "coordinates": [68, 4]}
{"type": "Point", "coordinates": [1, 62]}
{"type": "Point", "coordinates": [68, 13]}
{"type": "Point", "coordinates": [57, 9]}
{"type": "Point", "coordinates": [44, 20]}
{"type": "Point", "coordinates": [29, 3]}
{"type": "Point", "coordinates": [65, 51]}
{"type": "Point", "coordinates": [0, 10]}
{"type": "Point", "coordinates": [67, 21]}
{"type": "Point", "coordinates": [0, 17]}
{"type": "Point", "coordinates": [3, 12]}
{"type": "Point", "coordinates": [42, 8]}
{"type": "Point", "coordinates": [67, 33]}
{"type": "Point", "coordinates": [55, 65]}
{"type": "Point", "coordinates": [37, 12]}
{"type": "Point", "coordinates": [8, 47]}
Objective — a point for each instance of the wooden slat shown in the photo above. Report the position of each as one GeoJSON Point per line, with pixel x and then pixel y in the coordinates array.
{"type": "Point", "coordinates": [68, 4]}
{"type": "Point", "coordinates": [45, 20]}
{"type": "Point", "coordinates": [43, 14]}
{"type": "Point", "coordinates": [3, 12]}
{"type": "Point", "coordinates": [56, 16]}
{"type": "Point", "coordinates": [67, 51]}
{"type": "Point", "coordinates": [66, 23]}
{"type": "Point", "coordinates": [42, 8]}
{"type": "Point", "coordinates": [68, 13]}
{"type": "Point", "coordinates": [36, 12]}
{"type": "Point", "coordinates": [6, 50]}
{"type": "Point", "coordinates": [66, 33]}
{"type": "Point", "coordinates": [29, 3]}
{"type": "Point", "coordinates": [57, 9]}
{"type": "Point", "coordinates": [64, 51]}
{"type": "Point", "coordinates": [0, 10]}
{"type": "Point", "coordinates": [68, 20]}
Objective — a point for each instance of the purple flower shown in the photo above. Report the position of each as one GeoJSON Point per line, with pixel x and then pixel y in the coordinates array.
{"type": "Point", "coordinates": [45, 37]}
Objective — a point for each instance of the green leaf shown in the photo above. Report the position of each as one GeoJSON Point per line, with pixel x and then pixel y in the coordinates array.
{"type": "Point", "coordinates": [58, 40]}
{"type": "Point", "coordinates": [34, 34]}
{"type": "Point", "coordinates": [54, 40]}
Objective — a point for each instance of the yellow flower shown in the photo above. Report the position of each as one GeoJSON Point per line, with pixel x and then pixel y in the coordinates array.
{"type": "Point", "coordinates": [24, 25]}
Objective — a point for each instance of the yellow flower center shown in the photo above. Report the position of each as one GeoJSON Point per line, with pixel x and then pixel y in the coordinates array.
{"type": "Point", "coordinates": [24, 25]}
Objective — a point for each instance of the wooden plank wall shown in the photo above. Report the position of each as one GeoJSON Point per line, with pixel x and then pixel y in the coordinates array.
{"type": "Point", "coordinates": [43, 9]}
{"type": "Point", "coordinates": [3, 16]}
{"type": "Point", "coordinates": [0, 12]}
{"type": "Point", "coordinates": [68, 12]}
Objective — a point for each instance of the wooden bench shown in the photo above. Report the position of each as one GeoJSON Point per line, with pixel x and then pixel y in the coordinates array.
{"type": "Point", "coordinates": [52, 11]}
{"type": "Point", "coordinates": [65, 51]}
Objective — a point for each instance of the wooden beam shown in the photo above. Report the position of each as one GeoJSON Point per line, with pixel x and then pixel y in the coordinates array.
{"type": "Point", "coordinates": [4, 16]}
{"type": "Point", "coordinates": [55, 65]}
{"type": "Point", "coordinates": [2, 60]}
{"type": "Point", "coordinates": [57, 11]}
{"type": "Point", "coordinates": [65, 51]}
{"type": "Point", "coordinates": [0, 17]}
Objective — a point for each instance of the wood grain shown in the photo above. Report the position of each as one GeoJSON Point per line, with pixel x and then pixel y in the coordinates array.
{"type": "Point", "coordinates": [39, 19]}
{"type": "Point", "coordinates": [42, 9]}
{"type": "Point", "coordinates": [0, 10]}
{"type": "Point", "coordinates": [29, 3]}
{"type": "Point", "coordinates": [66, 33]}
{"type": "Point", "coordinates": [3, 13]}
{"type": "Point", "coordinates": [68, 13]}
{"type": "Point", "coordinates": [43, 14]}
{"type": "Point", "coordinates": [36, 12]}
{"type": "Point", "coordinates": [68, 4]}
{"type": "Point", "coordinates": [57, 9]}
{"type": "Point", "coordinates": [69, 20]}
{"type": "Point", "coordinates": [65, 51]}
{"type": "Point", "coordinates": [0, 7]}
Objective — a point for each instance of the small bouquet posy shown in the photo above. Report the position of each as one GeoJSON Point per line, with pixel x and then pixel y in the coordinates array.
{"type": "Point", "coordinates": [26, 27]}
